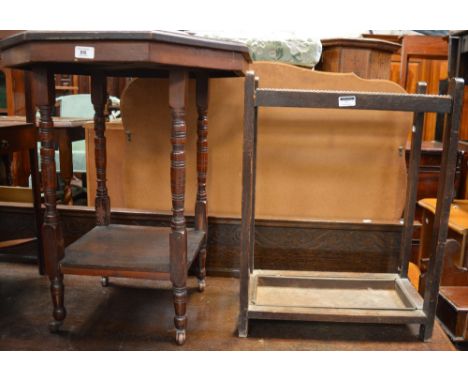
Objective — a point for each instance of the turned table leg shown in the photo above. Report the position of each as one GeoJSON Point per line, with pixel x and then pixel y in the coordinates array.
{"type": "Point", "coordinates": [201, 219]}
{"type": "Point", "coordinates": [52, 234]}
{"type": "Point", "coordinates": [34, 169]}
{"type": "Point", "coordinates": [178, 82]}
{"type": "Point", "coordinates": [99, 99]}
{"type": "Point", "coordinates": [102, 201]}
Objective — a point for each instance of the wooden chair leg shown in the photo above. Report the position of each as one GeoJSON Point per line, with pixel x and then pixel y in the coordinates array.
{"type": "Point", "coordinates": [178, 83]}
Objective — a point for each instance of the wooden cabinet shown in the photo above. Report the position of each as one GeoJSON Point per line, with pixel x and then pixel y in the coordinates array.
{"type": "Point", "coordinates": [421, 58]}
{"type": "Point", "coordinates": [367, 57]}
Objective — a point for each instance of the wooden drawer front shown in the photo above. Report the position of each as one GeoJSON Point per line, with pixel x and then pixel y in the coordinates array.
{"type": "Point", "coordinates": [455, 321]}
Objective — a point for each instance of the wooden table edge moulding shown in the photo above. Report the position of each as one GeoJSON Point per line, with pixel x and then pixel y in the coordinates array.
{"type": "Point", "coordinates": [111, 250]}
{"type": "Point", "coordinates": [349, 297]}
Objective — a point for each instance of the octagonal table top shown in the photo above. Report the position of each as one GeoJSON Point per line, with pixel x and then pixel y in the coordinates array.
{"type": "Point", "coordinates": [123, 53]}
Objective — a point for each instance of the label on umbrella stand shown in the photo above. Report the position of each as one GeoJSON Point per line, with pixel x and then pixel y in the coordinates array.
{"type": "Point", "coordinates": [84, 52]}
{"type": "Point", "coordinates": [347, 101]}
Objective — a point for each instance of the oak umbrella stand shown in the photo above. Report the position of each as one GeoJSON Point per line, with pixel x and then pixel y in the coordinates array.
{"type": "Point", "coordinates": [386, 298]}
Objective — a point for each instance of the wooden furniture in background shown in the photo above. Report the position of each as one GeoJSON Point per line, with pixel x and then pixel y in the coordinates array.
{"type": "Point", "coordinates": [21, 136]}
{"type": "Point", "coordinates": [422, 47]}
{"type": "Point", "coordinates": [422, 58]}
{"type": "Point", "coordinates": [366, 57]}
{"type": "Point", "coordinates": [452, 308]}
{"type": "Point", "coordinates": [66, 131]}
{"type": "Point", "coordinates": [354, 297]}
{"type": "Point", "coordinates": [116, 250]}
{"type": "Point", "coordinates": [428, 179]}
{"type": "Point", "coordinates": [458, 67]}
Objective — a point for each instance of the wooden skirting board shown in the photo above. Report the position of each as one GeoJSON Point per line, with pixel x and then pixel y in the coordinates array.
{"type": "Point", "coordinates": [307, 245]}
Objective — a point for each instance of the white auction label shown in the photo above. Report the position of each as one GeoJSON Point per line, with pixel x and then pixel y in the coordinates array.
{"type": "Point", "coordinates": [84, 52]}
{"type": "Point", "coordinates": [347, 101]}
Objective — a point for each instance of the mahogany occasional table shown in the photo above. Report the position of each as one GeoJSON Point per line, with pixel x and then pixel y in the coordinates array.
{"type": "Point", "coordinates": [111, 250]}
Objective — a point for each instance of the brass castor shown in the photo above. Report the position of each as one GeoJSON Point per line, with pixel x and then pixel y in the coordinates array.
{"type": "Point", "coordinates": [201, 285]}
{"type": "Point", "coordinates": [104, 281]}
{"type": "Point", "coordinates": [180, 337]}
{"type": "Point", "coordinates": [54, 326]}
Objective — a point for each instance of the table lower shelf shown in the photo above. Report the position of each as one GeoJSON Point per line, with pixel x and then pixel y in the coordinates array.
{"type": "Point", "coordinates": [126, 251]}
{"type": "Point", "coordinates": [337, 297]}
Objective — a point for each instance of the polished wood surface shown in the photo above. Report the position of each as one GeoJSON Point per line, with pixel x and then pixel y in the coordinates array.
{"type": "Point", "coordinates": [421, 58]}
{"type": "Point", "coordinates": [109, 250]}
{"type": "Point", "coordinates": [367, 57]}
{"type": "Point", "coordinates": [452, 303]}
{"type": "Point", "coordinates": [458, 213]}
{"type": "Point", "coordinates": [20, 136]}
{"type": "Point", "coordinates": [136, 324]}
{"type": "Point", "coordinates": [103, 54]}
{"type": "Point", "coordinates": [126, 54]}
{"type": "Point", "coordinates": [452, 311]}
{"type": "Point", "coordinates": [66, 131]}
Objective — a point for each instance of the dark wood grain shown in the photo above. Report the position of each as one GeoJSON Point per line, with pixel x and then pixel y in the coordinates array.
{"type": "Point", "coordinates": [247, 240]}
{"type": "Point", "coordinates": [444, 199]}
{"type": "Point", "coordinates": [452, 311]}
{"type": "Point", "coordinates": [15, 136]}
{"type": "Point", "coordinates": [99, 99]}
{"type": "Point", "coordinates": [125, 58]}
{"type": "Point", "coordinates": [161, 36]}
{"type": "Point", "coordinates": [364, 101]}
{"type": "Point", "coordinates": [52, 234]}
{"type": "Point", "coordinates": [291, 245]}
{"type": "Point", "coordinates": [412, 187]}
{"type": "Point", "coordinates": [201, 215]}
{"type": "Point", "coordinates": [424, 314]}
{"type": "Point", "coordinates": [178, 86]}
{"type": "Point", "coordinates": [142, 252]}
{"type": "Point", "coordinates": [178, 56]}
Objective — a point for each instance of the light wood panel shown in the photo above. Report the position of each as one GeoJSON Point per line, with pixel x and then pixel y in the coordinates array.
{"type": "Point", "coordinates": [328, 170]}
